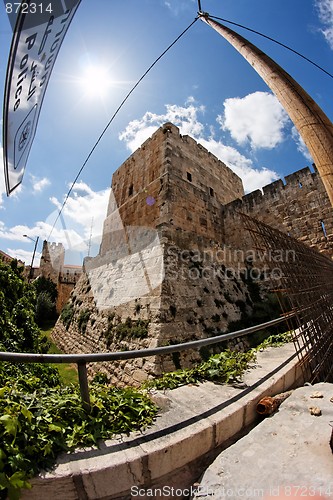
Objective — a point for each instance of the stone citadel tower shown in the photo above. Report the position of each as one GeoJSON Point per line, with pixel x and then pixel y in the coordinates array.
{"type": "Point", "coordinates": [172, 261]}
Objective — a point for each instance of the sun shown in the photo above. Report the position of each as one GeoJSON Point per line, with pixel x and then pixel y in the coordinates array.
{"type": "Point", "coordinates": [95, 81]}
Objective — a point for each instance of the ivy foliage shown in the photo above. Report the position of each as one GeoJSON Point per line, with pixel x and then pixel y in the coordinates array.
{"type": "Point", "coordinates": [67, 314]}
{"type": "Point", "coordinates": [36, 426]}
{"type": "Point", "coordinates": [224, 367]}
{"type": "Point", "coordinates": [227, 366]}
{"type": "Point", "coordinates": [83, 320]}
{"type": "Point", "coordinates": [129, 329]}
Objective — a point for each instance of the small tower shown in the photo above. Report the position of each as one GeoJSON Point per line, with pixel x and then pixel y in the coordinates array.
{"type": "Point", "coordinates": [52, 260]}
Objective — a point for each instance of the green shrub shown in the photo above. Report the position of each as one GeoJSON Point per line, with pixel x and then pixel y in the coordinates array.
{"type": "Point", "coordinates": [83, 320]}
{"type": "Point", "coordinates": [67, 314]}
{"type": "Point", "coordinates": [129, 329]}
{"type": "Point", "coordinates": [36, 426]}
{"type": "Point", "coordinates": [39, 417]}
{"type": "Point", "coordinates": [222, 368]}
{"type": "Point", "coordinates": [45, 309]}
{"type": "Point", "coordinates": [42, 284]}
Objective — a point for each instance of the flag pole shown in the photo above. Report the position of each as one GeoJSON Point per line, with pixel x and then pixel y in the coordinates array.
{"type": "Point", "coordinates": [313, 125]}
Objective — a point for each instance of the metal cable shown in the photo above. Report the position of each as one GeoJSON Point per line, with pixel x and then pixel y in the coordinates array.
{"type": "Point", "coordinates": [275, 41]}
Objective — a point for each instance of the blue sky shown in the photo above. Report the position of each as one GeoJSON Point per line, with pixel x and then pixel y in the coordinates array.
{"type": "Point", "coordinates": [202, 85]}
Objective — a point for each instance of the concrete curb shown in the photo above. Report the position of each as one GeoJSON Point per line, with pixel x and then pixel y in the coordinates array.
{"type": "Point", "coordinates": [193, 426]}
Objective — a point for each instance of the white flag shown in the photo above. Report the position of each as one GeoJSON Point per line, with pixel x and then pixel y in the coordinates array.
{"type": "Point", "coordinates": [39, 31]}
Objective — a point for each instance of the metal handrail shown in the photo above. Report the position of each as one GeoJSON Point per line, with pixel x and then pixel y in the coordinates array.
{"type": "Point", "coordinates": [82, 359]}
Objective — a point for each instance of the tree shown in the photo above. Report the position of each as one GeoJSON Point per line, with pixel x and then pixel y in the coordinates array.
{"type": "Point", "coordinates": [46, 300]}
{"type": "Point", "coordinates": [18, 328]}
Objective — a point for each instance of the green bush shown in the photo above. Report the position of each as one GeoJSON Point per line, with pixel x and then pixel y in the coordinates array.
{"type": "Point", "coordinates": [45, 309]}
{"type": "Point", "coordinates": [129, 329]}
{"type": "Point", "coordinates": [42, 284]}
{"type": "Point", "coordinates": [36, 426]}
{"type": "Point", "coordinates": [83, 320]}
{"type": "Point", "coordinates": [132, 329]}
{"type": "Point", "coordinates": [222, 368]}
{"type": "Point", "coordinates": [39, 417]}
{"type": "Point", "coordinates": [67, 314]}
{"type": "Point", "coordinates": [18, 329]}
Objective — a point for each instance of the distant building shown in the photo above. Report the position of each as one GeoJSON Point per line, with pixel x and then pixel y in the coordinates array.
{"type": "Point", "coordinates": [52, 266]}
{"type": "Point", "coordinates": [7, 258]}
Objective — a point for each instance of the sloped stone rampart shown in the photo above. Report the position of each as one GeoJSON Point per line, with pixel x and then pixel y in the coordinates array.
{"type": "Point", "coordinates": [197, 298]}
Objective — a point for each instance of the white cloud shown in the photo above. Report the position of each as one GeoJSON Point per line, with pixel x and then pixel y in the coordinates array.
{"type": "Point", "coordinates": [325, 10]}
{"type": "Point", "coordinates": [257, 119]}
{"type": "Point", "coordinates": [24, 255]}
{"type": "Point", "coordinates": [177, 6]}
{"type": "Point", "coordinates": [302, 148]}
{"type": "Point", "coordinates": [187, 119]}
{"type": "Point", "coordinates": [81, 222]}
{"type": "Point", "coordinates": [253, 178]}
{"type": "Point", "coordinates": [39, 184]}
{"type": "Point", "coordinates": [86, 208]}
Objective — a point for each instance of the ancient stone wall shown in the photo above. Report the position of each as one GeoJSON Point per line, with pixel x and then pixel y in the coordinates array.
{"type": "Point", "coordinates": [198, 184]}
{"type": "Point", "coordinates": [197, 298]}
{"type": "Point", "coordinates": [64, 291]}
{"type": "Point", "coordinates": [299, 207]}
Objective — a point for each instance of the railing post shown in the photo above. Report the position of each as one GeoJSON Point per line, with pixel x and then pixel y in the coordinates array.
{"type": "Point", "coordinates": [84, 387]}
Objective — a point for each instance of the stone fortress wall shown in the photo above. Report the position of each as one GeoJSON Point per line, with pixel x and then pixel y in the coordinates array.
{"type": "Point", "coordinates": [175, 190]}
{"type": "Point", "coordinates": [299, 207]}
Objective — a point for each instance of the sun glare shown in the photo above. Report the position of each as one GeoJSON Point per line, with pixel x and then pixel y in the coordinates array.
{"type": "Point", "coordinates": [95, 81]}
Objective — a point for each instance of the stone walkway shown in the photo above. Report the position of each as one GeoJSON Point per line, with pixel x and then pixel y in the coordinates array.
{"type": "Point", "coordinates": [288, 455]}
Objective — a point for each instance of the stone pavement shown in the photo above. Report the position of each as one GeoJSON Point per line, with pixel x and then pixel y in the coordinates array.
{"type": "Point", "coordinates": [287, 455]}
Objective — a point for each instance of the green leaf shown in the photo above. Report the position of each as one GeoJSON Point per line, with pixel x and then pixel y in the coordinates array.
{"type": "Point", "coordinates": [55, 428]}
{"type": "Point", "coordinates": [10, 423]}
{"type": "Point", "coordinates": [26, 413]}
{"type": "Point", "coordinates": [3, 391]}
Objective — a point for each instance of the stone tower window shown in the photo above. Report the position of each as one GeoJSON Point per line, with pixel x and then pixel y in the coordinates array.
{"type": "Point", "coordinates": [211, 191]}
{"type": "Point", "coordinates": [130, 190]}
{"type": "Point", "coordinates": [189, 176]}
